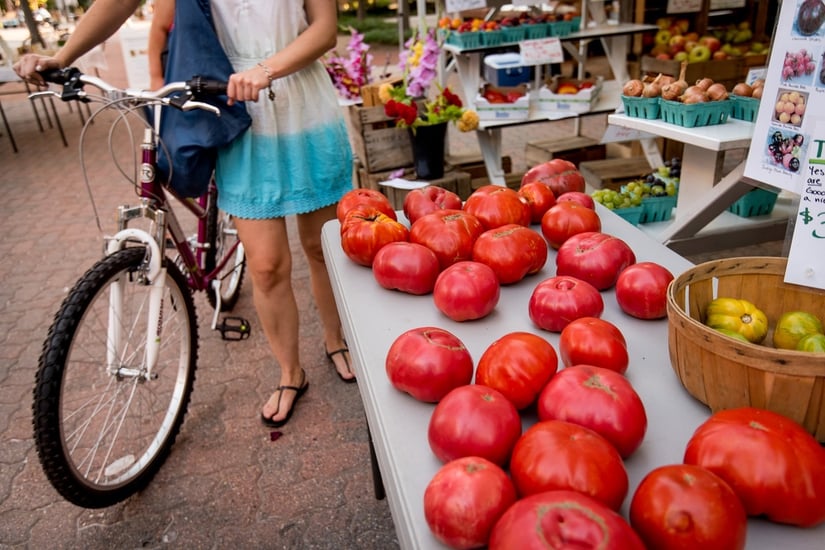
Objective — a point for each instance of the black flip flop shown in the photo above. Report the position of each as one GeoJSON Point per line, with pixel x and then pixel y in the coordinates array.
{"type": "Point", "coordinates": [299, 391]}
{"type": "Point", "coordinates": [342, 351]}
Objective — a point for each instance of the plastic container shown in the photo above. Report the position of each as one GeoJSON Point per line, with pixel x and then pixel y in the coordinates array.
{"type": "Point", "coordinates": [505, 69]}
{"type": "Point", "coordinates": [756, 202]}
{"type": "Point", "coordinates": [725, 373]}
{"type": "Point", "coordinates": [695, 114]}
{"type": "Point", "coordinates": [641, 107]}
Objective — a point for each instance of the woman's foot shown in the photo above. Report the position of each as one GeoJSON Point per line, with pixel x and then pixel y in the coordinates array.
{"type": "Point", "coordinates": [341, 360]}
{"type": "Point", "coordinates": [284, 406]}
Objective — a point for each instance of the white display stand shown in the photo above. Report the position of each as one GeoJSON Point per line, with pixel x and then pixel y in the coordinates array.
{"type": "Point", "coordinates": [134, 41]}
{"type": "Point", "coordinates": [373, 318]}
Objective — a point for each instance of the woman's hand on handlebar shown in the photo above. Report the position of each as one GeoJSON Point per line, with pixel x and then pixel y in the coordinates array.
{"type": "Point", "coordinates": [246, 85]}
{"type": "Point", "coordinates": [29, 66]}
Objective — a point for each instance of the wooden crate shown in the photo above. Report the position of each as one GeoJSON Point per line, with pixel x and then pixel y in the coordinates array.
{"type": "Point", "coordinates": [576, 149]}
{"type": "Point", "coordinates": [369, 92]}
{"type": "Point", "coordinates": [727, 71]}
{"type": "Point", "coordinates": [612, 173]}
{"type": "Point", "coordinates": [454, 180]}
{"type": "Point", "coordinates": [375, 140]}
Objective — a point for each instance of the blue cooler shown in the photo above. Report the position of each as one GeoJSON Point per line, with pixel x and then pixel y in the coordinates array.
{"type": "Point", "coordinates": [505, 69]}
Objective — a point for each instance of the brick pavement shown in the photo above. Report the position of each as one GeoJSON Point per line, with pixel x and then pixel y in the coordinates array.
{"type": "Point", "coordinates": [225, 483]}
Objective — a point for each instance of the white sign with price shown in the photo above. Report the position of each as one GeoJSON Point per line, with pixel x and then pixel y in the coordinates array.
{"type": "Point", "coordinates": [541, 52]}
{"type": "Point", "coordinates": [805, 258]}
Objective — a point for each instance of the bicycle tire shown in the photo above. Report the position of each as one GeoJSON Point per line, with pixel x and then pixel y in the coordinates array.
{"type": "Point", "coordinates": [101, 437]}
{"type": "Point", "coordinates": [221, 236]}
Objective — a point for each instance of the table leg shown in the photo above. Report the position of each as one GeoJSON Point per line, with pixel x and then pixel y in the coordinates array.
{"type": "Point", "coordinates": [8, 129]}
{"type": "Point", "coordinates": [377, 480]}
{"type": "Point", "coordinates": [489, 140]}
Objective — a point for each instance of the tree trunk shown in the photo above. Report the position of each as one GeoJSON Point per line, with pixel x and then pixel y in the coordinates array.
{"type": "Point", "coordinates": [32, 25]}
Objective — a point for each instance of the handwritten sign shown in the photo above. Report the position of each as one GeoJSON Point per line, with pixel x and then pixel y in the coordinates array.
{"type": "Point", "coordinates": [805, 265]}
{"type": "Point", "coordinates": [615, 133]}
{"type": "Point", "coordinates": [462, 5]}
{"type": "Point", "coordinates": [541, 52]}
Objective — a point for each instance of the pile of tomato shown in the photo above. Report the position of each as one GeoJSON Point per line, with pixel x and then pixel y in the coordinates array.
{"type": "Point", "coordinates": [563, 479]}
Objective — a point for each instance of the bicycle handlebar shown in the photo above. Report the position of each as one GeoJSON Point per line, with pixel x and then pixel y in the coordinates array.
{"type": "Point", "coordinates": [73, 82]}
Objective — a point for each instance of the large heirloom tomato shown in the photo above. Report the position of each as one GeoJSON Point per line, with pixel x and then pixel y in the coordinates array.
{"type": "Point", "coordinates": [686, 507]}
{"type": "Point", "coordinates": [596, 398]}
{"type": "Point", "coordinates": [513, 251]}
{"type": "Point", "coordinates": [566, 219]}
{"type": "Point", "coordinates": [595, 257]}
{"type": "Point", "coordinates": [518, 365]}
{"type": "Point", "coordinates": [408, 267]}
{"type": "Point", "coordinates": [466, 291]}
{"type": "Point", "coordinates": [594, 341]}
{"type": "Point", "coordinates": [474, 420]}
{"type": "Point", "coordinates": [428, 363]}
{"type": "Point", "coordinates": [448, 233]}
{"type": "Point", "coordinates": [364, 197]}
{"type": "Point", "coordinates": [577, 196]}
{"type": "Point", "coordinates": [562, 519]}
{"type": "Point", "coordinates": [561, 175]}
{"type": "Point", "coordinates": [739, 316]}
{"type": "Point", "coordinates": [540, 198]}
{"type": "Point", "coordinates": [554, 455]}
{"type": "Point", "coordinates": [464, 500]}
{"type": "Point", "coordinates": [425, 200]}
{"type": "Point", "coordinates": [495, 205]}
{"type": "Point", "coordinates": [366, 230]}
{"type": "Point", "coordinates": [641, 290]}
{"type": "Point", "coordinates": [557, 301]}
{"type": "Point", "coordinates": [775, 467]}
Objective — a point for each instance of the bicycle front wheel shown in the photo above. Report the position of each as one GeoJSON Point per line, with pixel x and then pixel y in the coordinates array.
{"type": "Point", "coordinates": [104, 424]}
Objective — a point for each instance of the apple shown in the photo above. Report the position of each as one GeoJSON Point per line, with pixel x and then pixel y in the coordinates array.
{"type": "Point", "coordinates": [680, 56]}
{"type": "Point", "coordinates": [676, 44]}
{"type": "Point", "coordinates": [664, 56]}
{"type": "Point", "coordinates": [719, 55]}
{"type": "Point", "coordinates": [699, 53]}
{"type": "Point", "coordinates": [692, 36]}
{"type": "Point", "coordinates": [713, 43]}
{"type": "Point", "coordinates": [690, 44]}
{"type": "Point", "coordinates": [662, 37]}
{"type": "Point", "coordinates": [683, 25]}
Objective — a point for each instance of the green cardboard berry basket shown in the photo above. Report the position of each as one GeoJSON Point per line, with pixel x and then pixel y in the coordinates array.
{"type": "Point", "coordinates": [756, 202]}
{"type": "Point", "coordinates": [492, 38]}
{"type": "Point", "coordinates": [534, 31]}
{"type": "Point", "coordinates": [657, 209]}
{"type": "Point", "coordinates": [695, 114]}
{"type": "Point", "coordinates": [631, 214]}
{"type": "Point", "coordinates": [641, 107]}
{"type": "Point", "coordinates": [464, 40]}
{"type": "Point", "coordinates": [513, 34]}
{"type": "Point", "coordinates": [744, 108]}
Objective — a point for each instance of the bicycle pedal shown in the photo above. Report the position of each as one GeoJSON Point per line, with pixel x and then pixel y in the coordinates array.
{"type": "Point", "coordinates": [234, 328]}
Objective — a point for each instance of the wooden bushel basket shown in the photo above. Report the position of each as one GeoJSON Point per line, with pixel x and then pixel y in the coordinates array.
{"type": "Point", "coordinates": [725, 373]}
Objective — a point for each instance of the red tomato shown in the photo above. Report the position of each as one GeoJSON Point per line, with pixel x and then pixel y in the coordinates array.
{"type": "Point", "coordinates": [448, 233]}
{"type": "Point", "coordinates": [366, 230]}
{"type": "Point", "coordinates": [423, 201]}
{"type": "Point", "coordinates": [474, 420]}
{"type": "Point", "coordinates": [464, 500]}
{"type": "Point", "coordinates": [641, 290]}
{"type": "Point", "coordinates": [562, 519]}
{"type": "Point", "coordinates": [577, 196]}
{"type": "Point", "coordinates": [595, 257]}
{"type": "Point", "coordinates": [594, 341]}
{"type": "Point", "coordinates": [495, 205]}
{"type": "Point", "coordinates": [555, 455]}
{"type": "Point", "coordinates": [684, 507]}
{"type": "Point", "coordinates": [567, 219]}
{"type": "Point", "coordinates": [540, 198]}
{"type": "Point", "coordinates": [775, 467]}
{"type": "Point", "coordinates": [408, 267]}
{"type": "Point", "coordinates": [466, 291]}
{"type": "Point", "coordinates": [513, 251]}
{"type": "Point", "coordinates": [596, 398]}
{"type": "Point", "coordinates": [428, 363]}
{"type": "Point", "coordinates": [558, 300]}
{"type": "Point", "coordinates": [561, 175]}
{"type": "Point", "coordinates": [518, 365]}
{"type": "Point", "coordinates": [365, 197]}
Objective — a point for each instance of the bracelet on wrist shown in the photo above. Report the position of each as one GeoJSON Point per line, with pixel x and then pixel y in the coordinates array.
{"type": "Point", "coordinates": [271, 78]}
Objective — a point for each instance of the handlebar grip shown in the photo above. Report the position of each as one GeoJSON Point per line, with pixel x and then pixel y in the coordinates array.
{"type": "Point", "coordinates": [57, 76]}
{"type": "Point", "coordinates": [204, 86]}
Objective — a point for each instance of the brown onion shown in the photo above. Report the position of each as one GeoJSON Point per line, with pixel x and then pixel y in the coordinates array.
{"type": "Point", "coordinates": [704, 83]}
{"type": "Point", "coordinates": [695, 96]}
{"type": "Point", "coordinates": [742, 89]}
{"type": "Point", "coordinates": [717, 92]}
{"type": "Point", "coordinates": [757, 92]}
{"type": "Point", "coordinates": [653, 89]}
{"type": "Point", "coordinates": [672, 91]}
{"type": "Point", "coordinates": [633, 88]}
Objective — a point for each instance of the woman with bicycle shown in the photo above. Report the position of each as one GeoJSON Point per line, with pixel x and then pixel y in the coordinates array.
{"type": "Point", "coordinates": [294, 160]}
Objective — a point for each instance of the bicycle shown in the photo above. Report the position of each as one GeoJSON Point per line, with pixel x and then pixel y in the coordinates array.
{"type": "Point", "coordinates": [118, 365]}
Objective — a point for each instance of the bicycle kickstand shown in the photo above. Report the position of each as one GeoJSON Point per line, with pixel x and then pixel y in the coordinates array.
{"type": "Point", "coordinates": [231, 328]}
